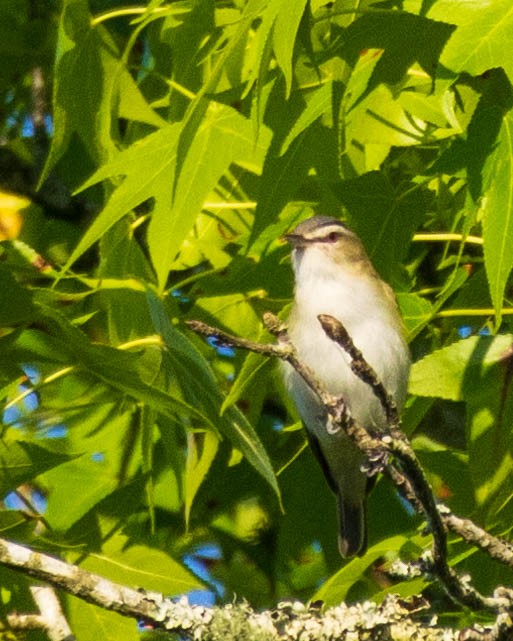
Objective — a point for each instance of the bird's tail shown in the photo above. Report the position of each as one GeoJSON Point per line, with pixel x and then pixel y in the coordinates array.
{"type": "Point", "coordinates": [352, 538]}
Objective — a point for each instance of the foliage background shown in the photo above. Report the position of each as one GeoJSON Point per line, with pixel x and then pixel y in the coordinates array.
{"type": "Point", "coordinates": [150, 159]}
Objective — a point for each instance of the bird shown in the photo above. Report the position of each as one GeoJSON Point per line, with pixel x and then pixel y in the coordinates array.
{"type": "Point", "coordinates": [334, 275]}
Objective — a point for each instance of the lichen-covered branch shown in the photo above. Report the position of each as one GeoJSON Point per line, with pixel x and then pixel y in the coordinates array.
{"type": "Point", "coordinates": [51, 618]}
{"type": "Point", "coordinates": [395, 618]}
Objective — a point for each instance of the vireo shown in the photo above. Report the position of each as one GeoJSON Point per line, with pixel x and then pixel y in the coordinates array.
{"type": "Point", "coordinates": [333, 275]}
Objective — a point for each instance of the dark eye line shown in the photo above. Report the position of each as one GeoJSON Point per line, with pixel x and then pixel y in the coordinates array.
{"type": "Point", "coordinates": [332, 237]}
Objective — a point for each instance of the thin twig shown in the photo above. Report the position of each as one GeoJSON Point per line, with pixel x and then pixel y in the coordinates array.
{"type": "Point", "coordinates": [496, 548]}
{"type": "Point", "coordinates": [359, 366]}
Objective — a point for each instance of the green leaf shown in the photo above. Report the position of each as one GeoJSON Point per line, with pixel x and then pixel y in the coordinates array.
{"type": "Point", "coordinates": [445, 372]}
{"type": "Point", "coordinates": [497, 208]}
{"type": "Point", "coordinates": [78, 485]}
{"type": "Point", "coordinates": [88, 78]}
{"type": "Point", "coordinates": [92, 622]}
{"type": "Point", "coordinates": [336, 589]}
{"type": "Point", "coordinates": [223, 137]}
{"type": "Point", "coordinates": [132, 104]}
{"type": "Point", "coordinates": [487, 392]}
{"type": "Point", "coordinates": [201, 388]}
{"type": "Point", "coordinates": [281, 177]}
{"type": "Point", "coordinates": [384, 218]}
{"type": "Point", "coordinates": [119, 369]}
{"type": "Point", "coordinates": [487, 25]}
{"type": "Point", "coordinates": [415, 311]}
{"type": "Point", "coordinates": [374, 118]}
{"type": "Point", "coordinates": [405, 39]}
{"type": "Point", "coordinates": [261, 46]}
{"type": "Point", "coordinates": [200, 456]}
{"type": "Point", "coordinates": [21, 461]}
{"type": "Point", "coordinates": [15, 301]}
{"type": "Point", "coordinates": [318, 105]}
{"type": "Point", "coordinates": [254, 365]}
{"type": "Point", "coordinates": [286, 25]}
{"type": "Point", "coordinates": [148, 168]}
{"type": "Point", "coordinates": [141, 566]}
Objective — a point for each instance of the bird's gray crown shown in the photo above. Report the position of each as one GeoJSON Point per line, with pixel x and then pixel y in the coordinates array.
{"type": "Point", "coordinates": [308, 227]}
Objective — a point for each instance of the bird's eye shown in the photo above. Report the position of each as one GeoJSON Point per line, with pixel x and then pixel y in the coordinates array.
{"type": "Point", "coordinates": [332, 237]}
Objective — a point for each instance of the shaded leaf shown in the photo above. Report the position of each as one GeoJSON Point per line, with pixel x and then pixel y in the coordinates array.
{"type": "Point", "coordinates": [384, 218]}
{"type": "Point", "coordinates": [405, 38]}
{"type": "Point", "coordinates": [318, 105]}
{"type": "Point", "coordinates": [15, 301]}
{"type": "Point", "coordinates": [200, 386]}
{"type": "Point", "coordinates": [21, 461]}
{"type": "Point", "coordinates": [254, 365]}
{"type": "Point", "coordinates": [88, 78]}
{"type": "Point", "coordinates": [415, 311]}
{"type": "Point", "coordinates": [280, 179]}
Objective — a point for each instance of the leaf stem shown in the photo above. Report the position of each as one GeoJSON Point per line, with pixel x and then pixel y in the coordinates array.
{"type": "Point", "coordinates": [127, 11]}
{"type": "Point", "coordinates": [447, 236]}
{"type": "Point", "coordinates": [139, 342]}
{"type": "Point", "coordinates": [142, 342]}
{"type": "Point", "coordinates": [484, 311]}
{"type": "Point", "coordinates": [30, 390]}
{"type": "Point", "coordinates": [250, 204]}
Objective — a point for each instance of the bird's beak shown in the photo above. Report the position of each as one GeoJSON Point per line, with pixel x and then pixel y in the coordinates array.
{"type": "Point", "coordinates": [296, 240]}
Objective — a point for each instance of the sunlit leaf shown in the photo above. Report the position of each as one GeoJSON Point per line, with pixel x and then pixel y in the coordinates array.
{"type": "Point", "coordinates": [141, 566]}
{"type": "Point", "coordinates": [487, 25]}
{"type": "Point", "coordinates": [497, 208]}
{"type": "Point", "coordinates": [336, 588]}
{"type": "Point", "coordinates": [285, 30]}
{"type": "Point", "coordinates": [223, 137]}
{"type": "Point", "coordinates": [445, 372]}
{"type": "Point", "coordinates": [200, 455]}
{"type": "Point", "coordinates": [96, 623]}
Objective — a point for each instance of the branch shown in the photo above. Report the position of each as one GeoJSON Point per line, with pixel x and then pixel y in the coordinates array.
{"type": "Point", "coordinates": [51, 618]}
{"type": "Point", "coordinates": [407, 473]}
{"type": "Point", "coordinates": [394, 618]}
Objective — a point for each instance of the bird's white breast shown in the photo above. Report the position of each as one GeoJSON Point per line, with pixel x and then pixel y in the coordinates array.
{"type": "Point", "coordinates": [359, 302]}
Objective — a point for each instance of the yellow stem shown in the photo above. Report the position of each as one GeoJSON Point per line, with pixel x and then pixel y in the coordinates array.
{"type": "Point", "coordinates": [181, 89]}
{"type": "Point", "coordinates": [250, 204]}
{"type": "Point", "coordinates": [27, 392]}
{"type": "Point", "coordinates": [486, 311]}
{"type": "Point", "coordinates": [127, 11]}
{"type": "Point", "coordinates": [444, 237]}
{"type": "Point", "coordinates": [139, 221]}
{"type": "Point", "coordinates": [292, 459]}
{"type": "Point", "coordinates": [139, 342]}
{"type": "Point", "coordinates": [142, 342]}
